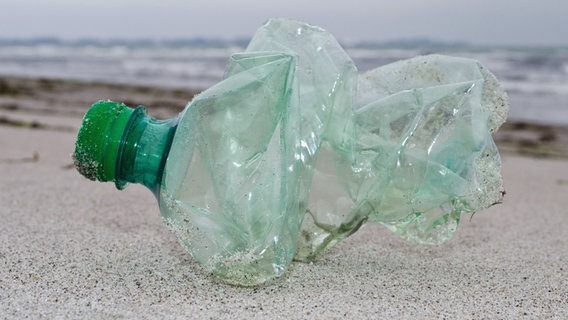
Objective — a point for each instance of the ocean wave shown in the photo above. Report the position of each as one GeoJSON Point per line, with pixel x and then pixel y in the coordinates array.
{"type": "Point", "coordinates": [533, 77]}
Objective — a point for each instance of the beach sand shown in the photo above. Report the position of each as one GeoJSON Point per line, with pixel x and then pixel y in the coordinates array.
{"type": "Point", "coordinates": [71, 248]}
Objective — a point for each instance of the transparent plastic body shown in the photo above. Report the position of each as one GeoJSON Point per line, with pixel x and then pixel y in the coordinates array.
{"type": "Point", "coordinates": [230, 188]}
{"type": "Point", "coordinates": [293, 151]}
{"type": "Point", "coordinates": [421, 154]}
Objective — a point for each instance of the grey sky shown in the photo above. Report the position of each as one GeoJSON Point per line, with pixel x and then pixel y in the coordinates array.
{"type": "Point", "coordinates": [507, 22]}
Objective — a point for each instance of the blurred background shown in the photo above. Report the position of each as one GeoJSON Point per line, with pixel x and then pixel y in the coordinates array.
{"type": "Point", "coordinates": [185, 44]}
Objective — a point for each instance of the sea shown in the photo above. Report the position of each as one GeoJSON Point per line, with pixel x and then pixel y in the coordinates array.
{"type": "Point", "coordinates": [536, 78]}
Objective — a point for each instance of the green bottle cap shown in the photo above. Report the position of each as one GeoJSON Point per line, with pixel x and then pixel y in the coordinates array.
{"type": "Point", "coordinates": [99, 139]}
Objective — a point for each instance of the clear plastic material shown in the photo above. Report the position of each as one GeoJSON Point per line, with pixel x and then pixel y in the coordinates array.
{"type": "Point", "coordinates": [420, 156]}
{"type": "Point", "coordinates": [287, 138]}
{"type": "Point", "coordinates": [230, 191]}
{"type": "Point", "coordinates": [293, 151]}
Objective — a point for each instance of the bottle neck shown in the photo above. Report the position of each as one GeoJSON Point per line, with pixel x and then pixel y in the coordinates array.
{"type": "Point", "coordinates": [143, 150]}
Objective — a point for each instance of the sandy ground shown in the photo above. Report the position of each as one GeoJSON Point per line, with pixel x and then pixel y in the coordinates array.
{"type": "Point", "coordinates": [71, 248]}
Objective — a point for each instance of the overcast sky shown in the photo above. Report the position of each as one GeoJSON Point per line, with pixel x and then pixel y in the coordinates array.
{"type": "Point", "coordinates": [507, 22]}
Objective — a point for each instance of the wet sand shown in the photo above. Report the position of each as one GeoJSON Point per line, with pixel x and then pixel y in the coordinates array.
{"type": "Point", "coordinates": [71, 248]}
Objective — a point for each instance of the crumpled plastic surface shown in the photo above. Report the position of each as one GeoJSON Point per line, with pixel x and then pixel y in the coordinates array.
{"type": "Point", "coordinates": [293, 151]}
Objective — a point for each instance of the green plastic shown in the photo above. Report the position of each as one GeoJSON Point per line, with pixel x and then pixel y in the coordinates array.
{"type": "Point", "coordinates": [123, 145]}
{"type": "Point", "coordinates": [99, 140]}
{"type": "Point", "coordinates": [145, 146]}
{"type": "Point", "coordinates": [293, 151]}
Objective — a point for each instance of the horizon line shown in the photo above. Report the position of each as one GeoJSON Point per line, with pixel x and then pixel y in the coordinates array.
{"type": "Point", "coordinates": [403, 42]}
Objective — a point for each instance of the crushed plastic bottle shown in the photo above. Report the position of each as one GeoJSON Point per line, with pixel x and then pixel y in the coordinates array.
{"type": "Point", "coordinates": [293, 151]}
